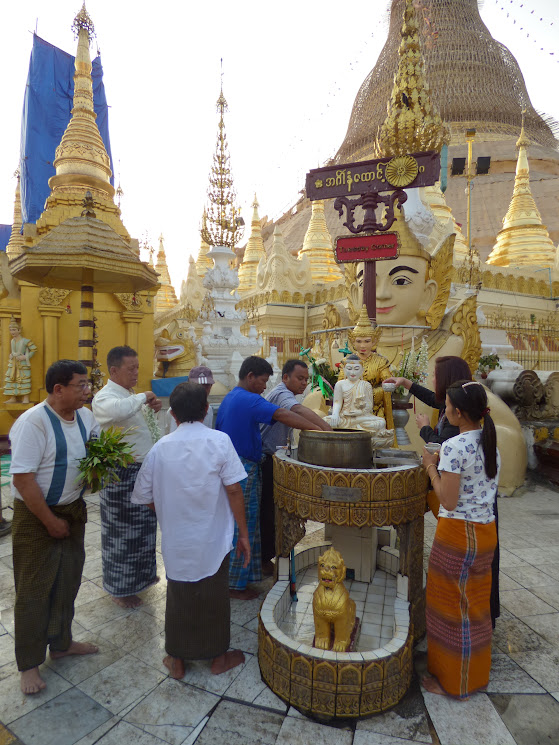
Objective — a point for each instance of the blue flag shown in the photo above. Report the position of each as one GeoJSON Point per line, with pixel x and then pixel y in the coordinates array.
{"type": "Point", "coordinates": [46, 112]}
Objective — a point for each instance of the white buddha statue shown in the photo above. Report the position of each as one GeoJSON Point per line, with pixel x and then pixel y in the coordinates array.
{"type": "Point", "coordinates": [353, 405]}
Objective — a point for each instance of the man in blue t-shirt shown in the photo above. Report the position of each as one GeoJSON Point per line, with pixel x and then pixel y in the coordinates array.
{"type": "Point", "coordinates": [240, 414]}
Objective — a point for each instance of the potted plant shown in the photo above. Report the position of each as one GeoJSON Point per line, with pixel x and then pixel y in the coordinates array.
{"type": "Point", "coordinates": [487, 363]}
{"type": "Point", "coordinates": [104, 455]}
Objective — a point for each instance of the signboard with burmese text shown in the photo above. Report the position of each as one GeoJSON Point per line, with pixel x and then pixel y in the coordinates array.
{"type": "Point", "coordinates": [382, 174]}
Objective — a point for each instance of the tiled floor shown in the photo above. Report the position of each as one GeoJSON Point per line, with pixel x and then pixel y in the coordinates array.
{"type": "Point", "coordinates": [123, 695]}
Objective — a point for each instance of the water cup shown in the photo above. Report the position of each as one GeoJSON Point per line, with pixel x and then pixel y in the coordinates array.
{"type": "Point", "coordinates": [389, 387]}
{"type": "Point", "coordinates": [433, 447]}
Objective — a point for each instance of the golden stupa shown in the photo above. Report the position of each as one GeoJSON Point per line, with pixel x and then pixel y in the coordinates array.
{"type": "Point", "coordinates": [523, 239]}
{"type": "Point", "coordinates": [317, 245]}
{"type": "Point", "coordinates": [254, 251]}
{"type": "Point", "coordinates": [166, 297]}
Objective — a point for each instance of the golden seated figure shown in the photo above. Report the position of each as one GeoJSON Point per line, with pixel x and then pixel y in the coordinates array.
{"type": "Point", "coordinates": [331, 604]}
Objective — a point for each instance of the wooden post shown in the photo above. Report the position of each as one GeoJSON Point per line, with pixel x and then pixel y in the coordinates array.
{"type": "Point", "coordinates": [370, 288]}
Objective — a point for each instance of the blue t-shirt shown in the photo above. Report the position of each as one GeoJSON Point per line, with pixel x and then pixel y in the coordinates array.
{"type": "Point", "coordinates": [240, 415]}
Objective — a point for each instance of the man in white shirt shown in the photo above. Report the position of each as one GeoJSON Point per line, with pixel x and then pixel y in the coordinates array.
{"type": "Point", "coordinates": [191, 478]}
{"type": "Point", "coordinates": [48, 526]}
{"type": "Point", "coordinates": [128, 531]}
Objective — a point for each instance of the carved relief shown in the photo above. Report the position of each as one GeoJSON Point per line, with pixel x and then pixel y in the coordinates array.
{"type": "Point", "coordinates": [51, 296]}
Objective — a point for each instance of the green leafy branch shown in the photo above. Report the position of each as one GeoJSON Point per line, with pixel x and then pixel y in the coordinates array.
{"type": "Point", "coordinates": [105, 454]}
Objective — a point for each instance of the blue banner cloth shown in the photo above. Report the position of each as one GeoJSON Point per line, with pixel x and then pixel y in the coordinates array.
{"type": "Point", "coordinates": [47, 110]}
{"type": "Point", "coordinates": [165, 386]}
{"type": "Point", "coordinates": [5, 233]}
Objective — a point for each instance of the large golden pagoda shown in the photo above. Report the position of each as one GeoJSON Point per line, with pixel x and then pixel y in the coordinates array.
{"type": "Point", "coordinates": [523, 239]}
{"type": "Point", "coordinates": [254, 251]}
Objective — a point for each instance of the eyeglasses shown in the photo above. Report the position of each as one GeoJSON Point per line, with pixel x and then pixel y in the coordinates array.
{"type": "Point", "coordinates": [83, 386]}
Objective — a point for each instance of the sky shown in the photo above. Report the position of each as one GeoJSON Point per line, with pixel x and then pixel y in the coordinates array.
{"type": "Point", "coordinates": [291, 71]}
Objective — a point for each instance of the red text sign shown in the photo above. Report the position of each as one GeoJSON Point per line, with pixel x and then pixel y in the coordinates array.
{"type": "Point", "coordinates": [367, 247]}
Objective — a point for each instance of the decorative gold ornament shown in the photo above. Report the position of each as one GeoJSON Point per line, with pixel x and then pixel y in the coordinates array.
{"type": "Point", "coordinates": [402, 170]}
{"type": "Point", "coordinates": [52, 296]}
{"type": "Point", "coordinates": [440, 270]}
{"type": "Point", "coordinates": [332, 606]}
{"type": "Point", "coordinates": [223, 225]}
{"type": "Point", "coordinates": [365, 329]}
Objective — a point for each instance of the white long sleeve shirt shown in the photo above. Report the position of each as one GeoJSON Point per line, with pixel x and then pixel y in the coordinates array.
{"type": "Point", "coordinates": [115, 406]}
{"type": "Point", "coordinates": [185, 475]}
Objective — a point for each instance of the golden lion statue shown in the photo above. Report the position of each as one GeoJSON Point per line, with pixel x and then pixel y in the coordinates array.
{"type": "Point", "coordinates": [331, 604]}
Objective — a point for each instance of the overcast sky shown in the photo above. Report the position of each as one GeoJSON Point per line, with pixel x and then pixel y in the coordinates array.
{"type": "Point", "coordinates": [291, 72]}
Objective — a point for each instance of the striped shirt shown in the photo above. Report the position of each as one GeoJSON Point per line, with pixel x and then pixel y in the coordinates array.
{"type": "Point", "coordinates": [51, 447]}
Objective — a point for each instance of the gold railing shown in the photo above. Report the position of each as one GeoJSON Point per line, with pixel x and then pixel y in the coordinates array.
{"type": "Point", "coordinates": [288, 347]}
{"type": "Point", "coordinates": [535, 340]}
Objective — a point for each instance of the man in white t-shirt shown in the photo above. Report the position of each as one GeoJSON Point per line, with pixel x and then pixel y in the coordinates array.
{"type": "Point", "coordinates": [191, 478]}
{"type": "Point", "coordinates": [48, 526]}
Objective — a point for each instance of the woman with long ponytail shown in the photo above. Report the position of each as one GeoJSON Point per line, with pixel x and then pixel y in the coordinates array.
{"type": "Point", "coordinates": [465, 481]}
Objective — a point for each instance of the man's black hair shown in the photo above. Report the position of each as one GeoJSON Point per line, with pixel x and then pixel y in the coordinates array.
{"type": "Point", "coordinates": [117, 354]}
{"type": "Point", "coordinates": [189, 402]}
{"type": "Point", "coordinates": [255, 365]}
{"type": "Point", "coordinates": [62, 372]}
{"type": "Point", "coordinates": [290, 365]}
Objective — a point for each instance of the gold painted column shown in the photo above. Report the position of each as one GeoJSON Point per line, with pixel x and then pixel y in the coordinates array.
{"type": "Point", "coordinates": [132, 320]}
{"type": "Point", "coordinates": [87, 323]}
{"type": "Point", "coordinates": [50, 317]}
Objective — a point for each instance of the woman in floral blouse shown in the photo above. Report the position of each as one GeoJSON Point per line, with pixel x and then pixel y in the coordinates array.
{"type": "Point", "coordinates": [459, 577]}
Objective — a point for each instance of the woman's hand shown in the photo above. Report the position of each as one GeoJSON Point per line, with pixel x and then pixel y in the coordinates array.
{"type": "Point", "coordinates": [422, 420]}
{"type": "Point", "coordinates": [429, 459]}
{"type": "Point", "coordinates": [399, 381]}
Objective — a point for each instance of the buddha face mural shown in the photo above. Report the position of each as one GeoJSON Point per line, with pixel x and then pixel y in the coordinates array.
{"type": "Point", "coordinates": [404, 291]}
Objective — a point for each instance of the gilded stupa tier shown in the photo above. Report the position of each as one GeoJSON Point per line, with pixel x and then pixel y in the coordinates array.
{"type": "Point", "coordinates": [166, 297]}
{"type": "Point", "coordinates": [523, 239]}
{"type": "Point", "coordinates": [434, 197]}
{"type": "Point", "coordinates": [203, 262]}
{"type": "Point", "coordinates": [254, 251]}
{"type": "Point", "coordinates": [474, 81]}
{"type": "Point", "coordinates": [16, 242]}
{"type": "Point", "coordinates": [412, 124]}
{"type": "Point", "coordinates": [192, 289]}
{"type": "Point", "coordinates": [317, 246]}
{"type": "Point", "coordinates": [81, 160]}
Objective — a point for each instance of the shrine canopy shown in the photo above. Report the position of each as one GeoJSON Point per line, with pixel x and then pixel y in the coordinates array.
{"type": "Point", "coordinates": [47, 110]}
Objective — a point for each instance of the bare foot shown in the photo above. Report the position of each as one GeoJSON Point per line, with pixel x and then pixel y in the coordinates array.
{"type": "Point", "coordinates": [31, 681]}
{"type": "Point", "coordinates": [131, 601]}
{"type": "Point", "coordinates": [175, 666]}
{"type": "Point", "coordinates": [245, 594]}
{"type": "Point", "coordinates": [76, 648]}
{"type": "Point", "coordinates": [432, 685]}
{"type": "Point", "coordinates": [227, 661]}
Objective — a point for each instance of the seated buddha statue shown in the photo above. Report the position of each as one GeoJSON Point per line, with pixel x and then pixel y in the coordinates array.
{"type": "Point", "coordinates": [353, 405]}
{"type": "Point", "coordinates": [363, 340]}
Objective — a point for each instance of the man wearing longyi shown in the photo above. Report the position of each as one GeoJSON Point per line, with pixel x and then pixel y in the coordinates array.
{"type": "Point", "coordinates": [48, 528]}
{"type": "Point", "coordinates": [241, 412]}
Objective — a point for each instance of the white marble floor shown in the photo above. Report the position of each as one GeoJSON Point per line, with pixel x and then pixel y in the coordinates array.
{"type": "Point", "coordinates": [124, 696]}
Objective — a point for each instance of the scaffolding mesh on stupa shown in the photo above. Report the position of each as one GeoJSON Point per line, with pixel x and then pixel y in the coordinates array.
{"type": "Point", "coordinates": [474, 81]}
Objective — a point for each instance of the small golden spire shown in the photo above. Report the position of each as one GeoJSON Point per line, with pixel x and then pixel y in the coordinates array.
{"type": "Point", "coordinates": [166, 297]}
{"type": "Point", "coordinates": [254, 251]}
{"type": "Point", "coordinates": [317, 245]}
{"type": "Point", "coordinates": [523, 240]}
{"type": "Point", "coordinates": [16, 243]}
{"type": "Point", "coordinates": [203, 262]}
{"type": "Point", "coordinates": [412, 124]}
{"type": "Point", "coordinates": [223, 226]}
{"type": "Point", "coordinates": [365, 329]}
